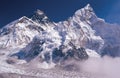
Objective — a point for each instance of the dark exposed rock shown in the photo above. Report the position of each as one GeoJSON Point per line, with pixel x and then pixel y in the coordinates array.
{"type": "Point", "coordinates": [57, 55]}
{"type": "Point", "coordinates": [5, 31]}
{"type": "Point", "coordinates": [77, 54]}
{"type": "Point", "coordinates": [40, 17]}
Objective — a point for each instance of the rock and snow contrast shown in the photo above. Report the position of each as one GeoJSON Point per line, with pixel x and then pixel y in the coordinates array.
{"type": "Point", "coordinates": [29, 44]}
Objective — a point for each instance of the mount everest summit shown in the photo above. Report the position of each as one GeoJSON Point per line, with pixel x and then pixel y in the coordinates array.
{"type": "Point", "coordinates": [38, 40]}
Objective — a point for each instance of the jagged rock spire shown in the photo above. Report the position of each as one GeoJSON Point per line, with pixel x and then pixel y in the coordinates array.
{"type": "Point", "coordinates": [88, 7]}
{"type": "Point", "coordinates": [85, 10]}
{"type": "Point", "coordinates": [86, 13]}
{"type": "Point", "coordinates": [39, 17]}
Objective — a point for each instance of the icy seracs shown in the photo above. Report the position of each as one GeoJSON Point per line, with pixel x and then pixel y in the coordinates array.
{"type": "Point", "coordinates": [37, 39]}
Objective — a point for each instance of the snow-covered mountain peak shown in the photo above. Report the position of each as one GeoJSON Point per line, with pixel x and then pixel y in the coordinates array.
{"type": "Point", "coordinates": [19, 22]}
{"type": "Point", "coordinates": [85, 13]}
{"type": "Point", "coordinates": [19, 32]}
{"type": "Point", "coordinates": [39, 17]}
{"type": "Point", "coordinates": [26, 20]}
{"type": "Point", "coordinates": [88, 7]}
{"type": "Point", "coordinates": [24, 17]}
{"type": "Point", "coordinates": [85, 9]}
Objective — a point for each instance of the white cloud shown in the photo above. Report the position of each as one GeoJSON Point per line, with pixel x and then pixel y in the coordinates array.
{"type": "Point", "coordinates": [105, 67]}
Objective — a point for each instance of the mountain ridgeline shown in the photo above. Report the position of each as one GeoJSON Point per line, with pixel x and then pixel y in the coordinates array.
{"type": "Point", "coordinates": [81, 36]}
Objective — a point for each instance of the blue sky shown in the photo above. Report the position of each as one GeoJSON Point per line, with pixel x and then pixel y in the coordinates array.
{"type": "Point", "coordinates": [57, 10]}
{"type": "Point", "coordinates": [114, 13]}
